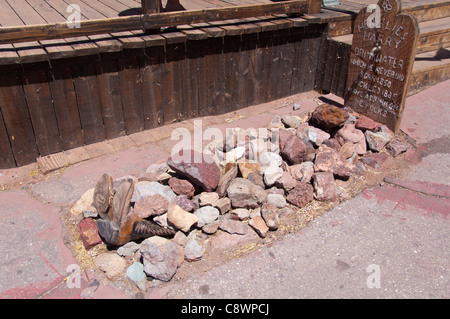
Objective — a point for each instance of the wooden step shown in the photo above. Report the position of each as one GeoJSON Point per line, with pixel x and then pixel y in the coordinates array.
{"type": "Point", "coordinates": [429, 69]}
{"type": "Point", "coordinates": [427, 10]}
{"type": "Point", "coordinates": [344, 14]}
{"type": "Point", "coordinates": [434, 34]}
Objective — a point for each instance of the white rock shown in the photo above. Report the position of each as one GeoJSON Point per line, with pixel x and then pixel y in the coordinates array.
{"type": "Point", "coordinates": [193, 250]}
{"type": "Point", "coordinates": [206, 215]}
{"type": "Point", "coordinates": [269, 159]}
{"type": "Point", "coordinates": [276, 200]}
{"type": "Point", "coordinates": [144, 189]}
{"type": "Point", "coordinates": [272, 174]}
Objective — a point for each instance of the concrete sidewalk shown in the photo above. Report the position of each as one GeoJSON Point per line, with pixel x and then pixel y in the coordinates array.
{"type": "Point", "coordinates": [400, 230]}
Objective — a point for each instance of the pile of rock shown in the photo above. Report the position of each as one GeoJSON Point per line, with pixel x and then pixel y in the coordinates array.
{"type": "Point", "coordinates": [244, 182]}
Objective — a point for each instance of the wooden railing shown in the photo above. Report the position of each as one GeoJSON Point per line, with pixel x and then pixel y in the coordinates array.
{"type": "Point", "coordinates": [148, 21]}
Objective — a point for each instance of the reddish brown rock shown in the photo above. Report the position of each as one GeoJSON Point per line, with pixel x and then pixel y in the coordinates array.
{"type": "Point", "coordinates": [181, 186]}
{"type": "Point", "coordinates": [398, 147]}
{"type": "Point", "coordinates": [198, 168]}
{"type": "Point", "coordinates": [286, 181]}
{"type": "Point", "coordinates": [185, 203]}
{"type": "Point", "coordinates": [284, 136]}
{"type": "Point", "coordinates": [324, 186]}
{"type": "Point", "coordinates": [328, 117]}
{"type": "Point", "coordinates": [347, 150]}
{"type": "Point", "coordinates": [87, 229]}
{"type": "Point", "coordinates": [296, 171]}
{"type": "Point", "coordinates": [349, 133]}
{"type": "Point", "coordinates": [333, 143]}
{"type": "Point", "coordinates": [374, 160]}
{"type": "Point", "coordinates": [301, 194]}
{"type": "Point", "coordinates": [294, 150]}
{"type": "Point", "coordinates": [365, 123]}
{"type": "Point", "coordinates": [154, 205]}
{"type": "Point", "coordinates": [328, 160]}
{"type": "Point", "coordinates": [256, 178]}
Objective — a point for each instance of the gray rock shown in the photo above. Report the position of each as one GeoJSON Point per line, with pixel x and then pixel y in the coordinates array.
{"type": "Point", "coordinates": [135, 273]}
{"type": "Point", "coordinates": [128, 249]}
{"type": "Point", "coordinates": [157, 169]}
{"type": "Point", "coordinates": [193, 250]}
{"type": "Point", "coordinates": [291, 121]}
{"type": "Point", "coordinates": [243, 193]}
{"type": "Point", "coordinates": [144, 189]}
{"type": "Point", "coordinates": [160, 262]}
{"type": "Point", "coordinates": [211, 228]}
{"type": "Point", "coordinates": [269, 159]}
{"type": "Point", "coordinates": [376, 141]}
{"type": "Point", "coordinates": [206, 215]}
{"type": "Point", "coordinates": [90, 213]}
{"type": "Point", "coordinates": [272, 174]}
{"type": "Point", "coordinates": [276, 200]}
{"type": "Point", "coordinates": [234, 227]}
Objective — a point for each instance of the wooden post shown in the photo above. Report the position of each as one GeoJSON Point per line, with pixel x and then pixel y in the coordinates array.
{"type": "Point", "coordinates": [314, 6]}
{"type": "Point", "coordinates": [151, 6]}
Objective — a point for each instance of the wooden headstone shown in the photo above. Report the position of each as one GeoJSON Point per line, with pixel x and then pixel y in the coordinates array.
{"type": "Point", "coordinates": [381, 61]}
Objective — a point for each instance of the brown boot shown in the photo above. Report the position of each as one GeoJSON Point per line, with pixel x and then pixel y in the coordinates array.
{"type": "Point", "coordinates": [110, 229]}
{"type": "Point", "coordinates": [146, 228]}
{"type": "Point", "coordinates": [121, 202]}
{"type": "Point", "coordinates": [103, 194]}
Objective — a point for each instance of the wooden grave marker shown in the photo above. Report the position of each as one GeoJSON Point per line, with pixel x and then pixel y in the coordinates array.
{"type": "Point", "coordinates": [381, 60]}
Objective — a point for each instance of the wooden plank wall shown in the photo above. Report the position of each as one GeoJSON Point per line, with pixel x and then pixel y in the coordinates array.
{"type": "Point", "coordinates": [333, 61]}
{"type": "Point", "coordinates": [56, 105]}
